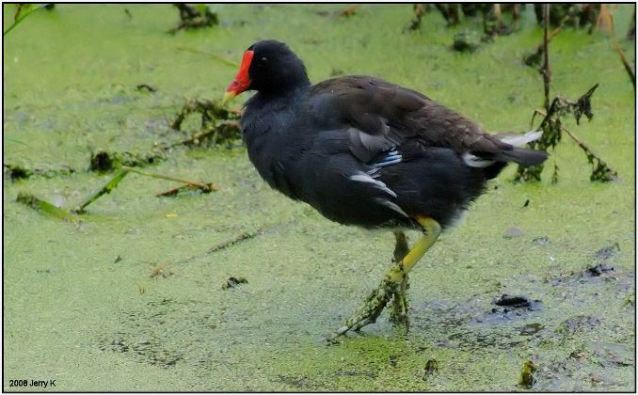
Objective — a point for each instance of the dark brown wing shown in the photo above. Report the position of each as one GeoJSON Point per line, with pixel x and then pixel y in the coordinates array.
{"type": "Point", "coordinates": [380, 115]}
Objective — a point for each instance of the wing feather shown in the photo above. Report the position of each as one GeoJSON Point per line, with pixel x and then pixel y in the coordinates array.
{"type": "Point", "coordinates": [380, 116]}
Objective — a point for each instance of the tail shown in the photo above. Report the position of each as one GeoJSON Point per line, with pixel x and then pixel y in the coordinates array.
{"type": "Point", "coordinates": [522, 156]}
{"type": "Point", "coordinates": [512, 152]}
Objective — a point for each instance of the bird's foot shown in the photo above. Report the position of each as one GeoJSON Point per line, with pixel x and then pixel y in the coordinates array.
{"type": "Point", "coordinates": [395, 282]}
{"type": "Point", "coordinates": [399, 313]}
{"type": "Point", "coordinates": [371, 308]}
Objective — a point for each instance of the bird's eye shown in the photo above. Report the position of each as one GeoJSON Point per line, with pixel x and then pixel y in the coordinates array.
{"type": "Point", "coordinates": [263, 60]}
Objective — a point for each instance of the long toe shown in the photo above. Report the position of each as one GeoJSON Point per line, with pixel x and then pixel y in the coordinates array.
{"type": "Point", "coordinates": [399, 313]}
{"type": "Point", "coordinates": [370, 309]}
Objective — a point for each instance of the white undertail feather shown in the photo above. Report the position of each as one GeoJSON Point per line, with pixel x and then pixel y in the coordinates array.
{"type": "Point", "coordinates": [474, 161]}
{"type": "Point", "coordinates": [517, 140]}
{"type": "Point", "coordinates": [520, 140]}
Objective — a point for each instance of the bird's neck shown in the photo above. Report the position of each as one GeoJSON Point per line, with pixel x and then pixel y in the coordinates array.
{"type": "Point", "coordinates": [269, 101]}
{"type": "Point", "coordinates": [286, 90]}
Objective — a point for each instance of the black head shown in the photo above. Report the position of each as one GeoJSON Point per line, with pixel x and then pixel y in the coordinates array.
{"type": "Point", "coordinates": [269, 67]}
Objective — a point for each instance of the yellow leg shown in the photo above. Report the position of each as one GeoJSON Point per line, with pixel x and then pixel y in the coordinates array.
{"type": "Point", "coordinates": [431, 232]}
{"type": "Point", "coordinates": [399, 312]}
{"type": "Point", "coordinates": [394, 279]}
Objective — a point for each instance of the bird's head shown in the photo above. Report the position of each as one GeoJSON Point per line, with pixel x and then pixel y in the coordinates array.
{"type": "Point", "coordinates": [267, 66]}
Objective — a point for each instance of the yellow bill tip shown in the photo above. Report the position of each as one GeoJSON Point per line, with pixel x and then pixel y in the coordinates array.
{"type": "Point", "coordinates": [228, 96]}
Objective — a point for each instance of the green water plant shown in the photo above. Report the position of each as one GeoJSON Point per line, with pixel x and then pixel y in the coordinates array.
{"type": "Point", "coordinates": [21, 13]}
{"type": "Point", "coordinates": [46, 208]}
{"type": "Point", "coordinates": [551, 125]}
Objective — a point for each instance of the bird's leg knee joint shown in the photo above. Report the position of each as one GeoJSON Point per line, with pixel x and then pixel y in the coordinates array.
{"type": "Point", "coordinates": [395, 275]}
{"type": "Point", "coordinates": [431, 231]}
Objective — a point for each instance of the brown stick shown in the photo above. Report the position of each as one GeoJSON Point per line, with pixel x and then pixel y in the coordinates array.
{"type": "Point", "coordinates": [576, 139]}
{"type": "Point", "coordinates": [200, 185]}
{"type": "Point", "coordinates": [623, 59]}
{"type": "Point", "coordinates": [545, 71]}
{"type": "Point", "coordinates": [175, 191]}
{"type": "Point", "coordinates": [244, 236]}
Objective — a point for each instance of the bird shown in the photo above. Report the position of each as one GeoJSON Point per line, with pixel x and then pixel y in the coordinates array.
{"type": "Point", "coordinates": [365, 152]}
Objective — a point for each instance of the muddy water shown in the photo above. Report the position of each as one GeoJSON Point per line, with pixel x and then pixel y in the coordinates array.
{"type": "Point", "coordinates": [130, 299]}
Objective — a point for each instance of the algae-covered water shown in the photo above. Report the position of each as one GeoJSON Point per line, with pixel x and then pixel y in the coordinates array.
{"type": "Point", "coordinates": [131, 298]}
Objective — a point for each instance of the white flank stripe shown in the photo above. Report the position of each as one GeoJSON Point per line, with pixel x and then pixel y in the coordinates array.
{"type": "Point", "coordinates": [391, 206]}
{"type": "Point", "coordinates": [363, 177]}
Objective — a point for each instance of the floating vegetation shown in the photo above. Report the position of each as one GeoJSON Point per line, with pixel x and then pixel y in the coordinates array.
{"type": "Point", "coordinates": [552, 127]}
{"type": "Point", "coordinates": [552, 134]}
{"type": "Point", "coordinates": [516, 302]}
{"type": "Point", "coordinates": [232, 282]}
{"type": "Point", "coordinates": [599, 269]}
{"type": "Point", "coordinates": [431, 367]}
{"type": "Point", "coordinates": [104, 161]}
{"type": "Point", "coordinates": [161, 271]}
{"type": "Point", "coordinates": [17, 172]}
{"type": "Point", "coordinates": [451, 12]}
{"type": "Point", "coordinates": [600, 170]}
{"type": "Point", "coordinates": [194, 17]}
{"type": "Point", "coordinates": [466, 41]}
{"type": "Point", "coordinates": [125, 162]}
{"type": "Point", "coordinates": [238, 239]}
{"type": "Point", "coordinates": [46, 207]}
{"type": "Point", "coordinates": [146, 87]}
{"type": "Point", "coordinates": [493, 22]}
{"type": "Point", "coordinates": [107, 188]}
{"type": "Point", "coordinates": [219, 125]}
{"type": "Point", "coordinates": [577, 323]}
{"type": "Point", "coordinates": [607, 252]}
{"type": "Point", "coordinates": [349, 11]}
{"type": "Point", "coordinates": [205, 187]}
{"type": "Point", "coordinates": [209, 110]}
{"type": "Point", "coordinates": [492, 15]}
{"type": "Point", "coordinates": [570, 14]}
{"type": "Point", "coordinates": [527, 379]}
{"type": "Point", "coordinates": [419, 11]}
{"type": "Point", "coordinates": [57, 212]}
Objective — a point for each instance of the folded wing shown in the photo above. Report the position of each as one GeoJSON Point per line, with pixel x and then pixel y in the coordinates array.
{"type": "Point", "coordinates": [379, 116]}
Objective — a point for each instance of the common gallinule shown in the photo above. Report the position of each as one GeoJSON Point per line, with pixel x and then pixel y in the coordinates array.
{"type": "Point", "coordinates": [366, 152]}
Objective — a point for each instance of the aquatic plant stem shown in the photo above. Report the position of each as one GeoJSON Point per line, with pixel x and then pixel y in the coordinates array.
{"type": "Point", "coordinates": [107, 188]}
{"type": "Point", "coordinates": [22, 17]}
{"type": "Point", "coordinates": [630, 72]}
{"type": "Point", "coordinates": [601, 171]}
{"type": "Point", "coordinates": [200, 185]}
{"type": "Point", "coordinates": [46, 207]}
